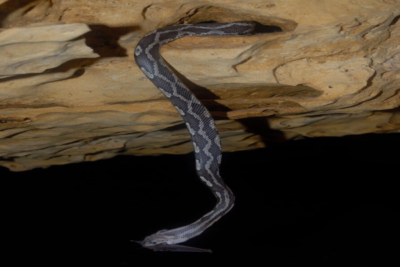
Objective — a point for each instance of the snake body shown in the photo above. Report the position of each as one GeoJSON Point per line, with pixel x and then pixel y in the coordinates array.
{"type": "Point", "coordinates": [200, 124]}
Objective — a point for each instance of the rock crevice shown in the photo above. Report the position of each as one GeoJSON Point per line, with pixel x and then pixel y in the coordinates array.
{"type": "Point", "coordinates": [70, 90]}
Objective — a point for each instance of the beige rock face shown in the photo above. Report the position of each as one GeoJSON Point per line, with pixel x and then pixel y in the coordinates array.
{"type": "Point", "coordinates": [70, 90]}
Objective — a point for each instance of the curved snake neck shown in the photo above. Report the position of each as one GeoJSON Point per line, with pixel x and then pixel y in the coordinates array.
{"type": "Point", "coordinates": [204, 135]}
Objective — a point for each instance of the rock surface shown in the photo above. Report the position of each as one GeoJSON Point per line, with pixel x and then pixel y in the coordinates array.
{"type": "Point", "coordinates": [70, 90]}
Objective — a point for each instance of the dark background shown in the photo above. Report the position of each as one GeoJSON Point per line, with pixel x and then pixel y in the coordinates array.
{"type": "Point", "coordinates": [326, 199]}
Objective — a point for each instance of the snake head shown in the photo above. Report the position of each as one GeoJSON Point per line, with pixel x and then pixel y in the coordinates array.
{"type": "Point", "coordinates": [160, 241]}
{"type": "Point", "coordinates": [174, 248]}
{"type": "Point", "coordinates": [161, 237]}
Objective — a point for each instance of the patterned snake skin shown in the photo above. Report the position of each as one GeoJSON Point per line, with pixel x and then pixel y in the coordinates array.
{"type": "Point", "coordinates": [204, 135]}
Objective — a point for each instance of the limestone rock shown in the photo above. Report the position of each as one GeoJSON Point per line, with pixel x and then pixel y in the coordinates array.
{"type": "Point", "coordinates": [34, 49]}
{"type": "Point", "coordinates": [70, 90]}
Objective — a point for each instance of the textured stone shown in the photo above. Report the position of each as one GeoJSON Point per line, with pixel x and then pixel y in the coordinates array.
{"type": "Point", "coordinates": [35, 49]}
{"type": "Point", "coordinates": [70, 90]}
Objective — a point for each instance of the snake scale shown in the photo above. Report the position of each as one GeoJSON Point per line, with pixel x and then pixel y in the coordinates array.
{"type": "Point", "coordinates": [200, 124]}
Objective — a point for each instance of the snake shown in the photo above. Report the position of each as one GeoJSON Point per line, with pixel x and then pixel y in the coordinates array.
{"type": "Point", "coordinates": [199, 122]}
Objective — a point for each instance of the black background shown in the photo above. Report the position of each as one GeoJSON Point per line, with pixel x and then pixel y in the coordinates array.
{"type": "Point", "coordinates": [325, 199]}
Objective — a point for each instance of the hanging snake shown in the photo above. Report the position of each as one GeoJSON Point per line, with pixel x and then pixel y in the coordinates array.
{"type": "Point", "coordinates": [200, 124]}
